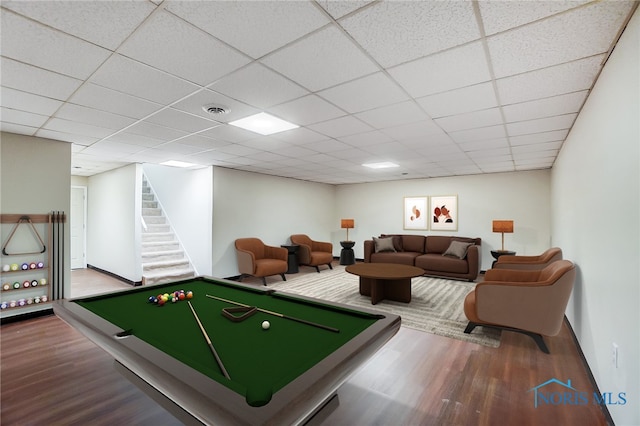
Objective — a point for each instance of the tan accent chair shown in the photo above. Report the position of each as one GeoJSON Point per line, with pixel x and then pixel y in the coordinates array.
{"type": "Point", "coordinates": [529, 263]}
{"type": "Point", "coordinates": [260, 260]}
{"type": "Point", "coordinates": [529, 302]}
{"type": "Point", "coordinates": [313, 253]}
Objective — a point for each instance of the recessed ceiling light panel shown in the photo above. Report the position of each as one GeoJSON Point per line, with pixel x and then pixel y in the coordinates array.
{"type": "Point", "coordinates": [175, 163]}
{"type": "Point", "coordinates": [382, 165]}
{"type": "Point", "coordinates": [263, 124]}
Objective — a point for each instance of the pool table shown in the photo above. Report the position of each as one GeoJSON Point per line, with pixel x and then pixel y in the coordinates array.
{"type": "Point", "coordinates": [276, 376]}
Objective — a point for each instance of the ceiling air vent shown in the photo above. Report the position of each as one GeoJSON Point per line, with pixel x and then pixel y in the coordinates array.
{"type": "Point", "coordinates": [215, 109]}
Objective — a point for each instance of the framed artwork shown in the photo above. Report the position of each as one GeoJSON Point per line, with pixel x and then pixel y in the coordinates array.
{"type": "Point", "coordinates": [444, 213]}
{"type": "Point", "coordinates": [416, 213]}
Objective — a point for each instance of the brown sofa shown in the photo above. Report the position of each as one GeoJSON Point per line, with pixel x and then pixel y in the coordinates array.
{"type": "Point", "coordinates": [428, 253]}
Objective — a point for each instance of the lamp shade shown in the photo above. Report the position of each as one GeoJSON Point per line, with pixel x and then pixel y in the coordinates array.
{"type": "Point", "coordinates": [346, 223]}
{"type": "Point", "coordinates": [504, 226]}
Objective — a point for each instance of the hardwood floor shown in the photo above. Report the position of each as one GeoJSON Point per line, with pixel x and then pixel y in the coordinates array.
{"type": "Point", "coordinates": [52, 375]}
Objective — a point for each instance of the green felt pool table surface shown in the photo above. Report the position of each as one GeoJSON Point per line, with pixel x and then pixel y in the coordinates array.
{"type": "Point", "coordinates": [261, 364]}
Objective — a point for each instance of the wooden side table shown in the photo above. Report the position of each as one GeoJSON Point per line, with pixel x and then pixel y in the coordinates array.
{"type": "Point", "coordinates": [347, 257]}
{"type": "Point", "coordinates": [292, 258]}
{"type": "Point", "coordinates": [497, 253]}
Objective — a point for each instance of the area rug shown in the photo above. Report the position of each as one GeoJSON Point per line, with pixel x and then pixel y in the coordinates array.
{"type": "Point", "coordinates": [436, 303]}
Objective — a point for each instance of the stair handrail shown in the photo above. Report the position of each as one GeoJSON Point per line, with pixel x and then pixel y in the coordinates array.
{"type": "Point", "coordinates": [155, 195]}
{"type": "Point", "coordinates": [144, 223]}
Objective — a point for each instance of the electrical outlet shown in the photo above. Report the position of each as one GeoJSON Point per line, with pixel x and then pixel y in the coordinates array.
{"type": "Point", "coordinates": [614, 355]}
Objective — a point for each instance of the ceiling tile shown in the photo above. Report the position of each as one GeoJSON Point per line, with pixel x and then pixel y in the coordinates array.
{"type": "Point", "coordinates": [307, 110]}
{"type": "Point", "coordinates": [134, 139]}
{"type": "Point", "coordinates": [181, 120]}
{"type": "Point", "coordinates": [364, 139]}
{"type": "Point", "coordinates": [323, 59]}
{"type": "Point", "coordinates": [230, 134]}
{"type": "Point", "coordinates": [170, 44]}
{"type": "Point", "coordinates": [500, 15]}
{"type": "Point", "coordinates": [546, 146]}
{"type": "Point", "coordinates": [258, 86]}
{"type": "Point", "coordinates": [566, 78]}
{"type": "Point", "coordinates": [73, 127]}
{"type": "Point", "coordinates": [22, 101]}
{"type": "Point", "coordinates": [27, 78]}
{"type": "Point", "coordinates": [556, 105]}
{"type": "Point", "coordinates": [104, 99]}
{"type": "Point", "coordinates": [544, 43]}
{"type": "Point", "coordinates": [459, 101]}
{"type": "Point", "coordinates": [338, 9]}
{"type": "Point", "coordinates": [104, 23]}
{"type": "Point", "coordinates": [393, 115]}
{"type": "Point", "coordinates": [420, 129]}
{"type": "Point", "coordinates": [266, 26]}
{"type": "Point", "coordinates": [155, 131]}
{"type": "Point", "coordinates": [94, 117]}
{"type": "Point", "coordinates": [128, 76]}
{"type": "Point", "coordinates": [343, 126]}
{"type": "Point", "coordinates": [443, 71]}
{"type": "Point", "coordinates": [18, 129]}
{"type": "Point", "coordinates": [486, 145]}
{"type": "Point", "coordinates": [365, 93]}
{"type": "Point", "coordinates": [382, 28]}
{"type": "Point", "coordinates": [47, 48]}
{"type": "Point", "coordinates": [23, 118]}
{"type": "Point", "coordinates": [560, 122]}
{"type": "Point", "coordinates": [538, 138]}
{"type": "Point", "coordinates": [470, 120]}
{"type": "Point", "coordinates": [76, 139]}
{"type": "Point", "coordinates": [492, 132]}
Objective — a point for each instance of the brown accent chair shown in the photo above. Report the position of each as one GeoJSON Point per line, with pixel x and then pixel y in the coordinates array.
{"type": "Point", "coordinates": [259, 260]}
{"type": "Point", "coordinates": [529, 263]}
{"type": "Point", "coordinates": [528, 302]}
{"type": "Point", "coordinates": [313, 253]}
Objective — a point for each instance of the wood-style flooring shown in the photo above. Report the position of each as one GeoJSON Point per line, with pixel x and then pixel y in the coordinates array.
{"type": "Point", "coordinates": [53, 375]}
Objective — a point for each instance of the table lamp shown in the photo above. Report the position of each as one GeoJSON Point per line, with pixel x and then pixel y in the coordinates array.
{"type": "Point", "coordinates": [504, 227]}
{"type": "Point", "coordinates": [347, 224]}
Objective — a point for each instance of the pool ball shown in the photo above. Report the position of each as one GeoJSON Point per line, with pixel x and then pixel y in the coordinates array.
{"type": "Point", "coordinates": [6, 287]}
{"type": "Point", "coordinates": [34, 283]}
{"type": "Point", "coordinates": [43, 281]}
{"type": "Point", "coordinates": [43, 299]}
{"type": "Point", "coordinates": [4, 305]}
{"type": "Point", "coordinates": [16, 285]}
{"type": "Point", "coordinates": [189, 294]}
{"type": "Point", "coordinates": [181, 296]}
{"type": "Point", "coordinates": [13, 304]}
{"type": "Point", "coordinates": [22, 302]}
{"type": "Point", "coordinates": [40, 265]}
{"type": "Point", "coordinates": [36, 300]}
{"type": "Point", "coordinates": [265, 325]}
{"type": "Point", "coordinates": [14, 267]}
{"type": "Point", "coordinates": [151, 298]}
{"type": "Point", "coordinates": [29, 301]}
{"type": "Point", "coordinates": [26, 284]}
{"type": "Point", "coordinates": [6, 268]}
{"type": "Point", "coordinates": [32, 265]}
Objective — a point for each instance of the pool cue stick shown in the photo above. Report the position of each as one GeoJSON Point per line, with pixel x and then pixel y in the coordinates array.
{"type": "Point", "coordinates": [206, 336]}
{"type": "Point", "coordinates": [277, 314]}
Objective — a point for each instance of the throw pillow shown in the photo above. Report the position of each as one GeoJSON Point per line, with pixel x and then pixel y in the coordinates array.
{"type": "Point", "coordinates": [383, 244]}
{"type": "Point", "coordinates": [457, 249]}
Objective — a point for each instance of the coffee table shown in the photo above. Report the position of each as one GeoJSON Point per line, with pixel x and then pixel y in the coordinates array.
{"type": "Point", "coordinates": [385, 280]}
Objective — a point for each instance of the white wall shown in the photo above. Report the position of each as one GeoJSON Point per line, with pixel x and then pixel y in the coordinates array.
{"type": "Point", "coordinates": [595, 197]}
{"type": "Point", "coordinates": [113, 222]}
{"type": "Point", "coordinates": [185, 197]}
{"type": "Point", "coordinates": [35, 179]}
{"type": "Point", "coordinates": [267, 207]}
{"type": "Point", "coordinates": [378, 209]}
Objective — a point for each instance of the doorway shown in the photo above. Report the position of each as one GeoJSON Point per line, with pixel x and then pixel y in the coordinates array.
{"type": "Point", "coordinates": [77, 219]}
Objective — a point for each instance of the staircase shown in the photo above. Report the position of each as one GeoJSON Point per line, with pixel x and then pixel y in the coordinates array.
{"type": "Point", "coordinates": [163, 259]}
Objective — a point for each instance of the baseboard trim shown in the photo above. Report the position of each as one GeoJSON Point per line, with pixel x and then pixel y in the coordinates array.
{"type": "Point", "coordinates": [592, 379]}
{"type": "Point", "coordinates": [27, 316]}
{"type": "Point", "coordinates": [116, 276]}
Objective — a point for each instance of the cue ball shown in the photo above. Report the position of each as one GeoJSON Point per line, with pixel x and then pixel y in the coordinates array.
{"type": "Point", "coordinates": [265, 325]}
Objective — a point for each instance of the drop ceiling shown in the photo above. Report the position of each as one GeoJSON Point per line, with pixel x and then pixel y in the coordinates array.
{"type": "Point", "coordinates": [440, 88]}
